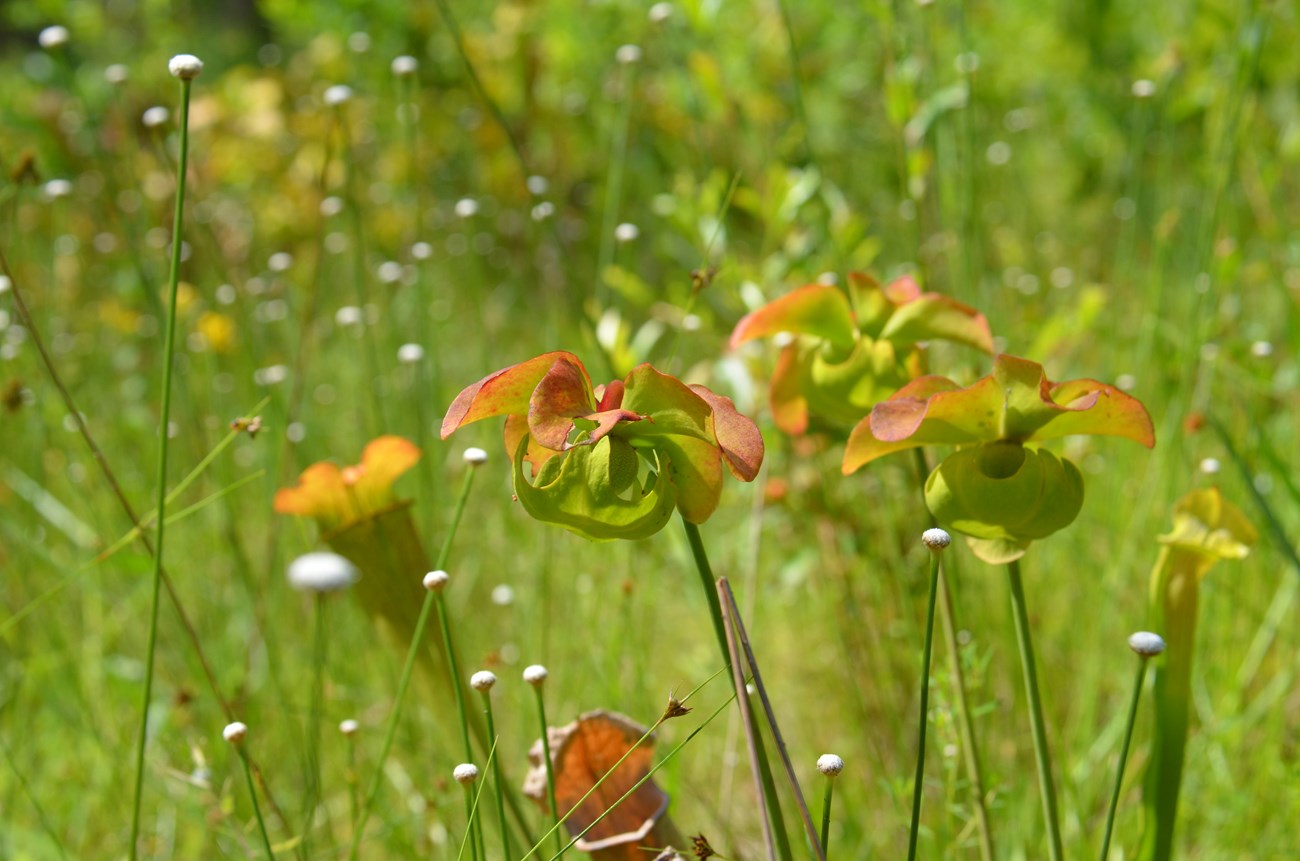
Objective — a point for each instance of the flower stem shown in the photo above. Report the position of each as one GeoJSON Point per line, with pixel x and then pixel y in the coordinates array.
{"type": "Point", "coordinates": [550, 771]}
{"type": "Point", "coordinates": [164, 422]}
{"type": "Point", "coordinates": [919, 781]}
{"type": "Point", "coordinates": [826, 815]}
{"type": "Point", "coordinates": [1042, 756]}
{"type": "Point", "coordinates": [947, 618]}
{"type": "Point", "coordinates": [257, 808]}
{"type": "Point", "coordinates": [497, 786]}
{"type": "Point", "coordinates": [408, 669]}
{"type": "Point", "coordinates": [1123, 755]}
{"type": "Point", "coordinates": [313, 728]}
{"type": "Point", "coordinates": [707, 580]}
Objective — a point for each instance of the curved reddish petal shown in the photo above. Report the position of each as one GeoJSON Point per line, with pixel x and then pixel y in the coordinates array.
{"type": "Point", "coordinates": [815, 309]}
{"type": "Point", "coordinates": [738, 437]}
{"type": "Point", "coordinates": [785, 394]}
{"type": "Point", "coordinates": [504, 392]}
{"type": "Point", "coordinates": [1098, 409]}
{"type": "Point", "coordinates": [320, 494]}
{"type": "Point", "coordinates": [561, 395]}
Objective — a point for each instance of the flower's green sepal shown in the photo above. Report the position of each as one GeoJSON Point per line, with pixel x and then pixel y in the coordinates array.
{"type": "Point", "coordinates": [1005, 493]}
{"type": "Point", "coordinates": [602, 491]}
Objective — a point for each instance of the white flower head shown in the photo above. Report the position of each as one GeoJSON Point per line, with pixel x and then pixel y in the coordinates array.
{"type": "Point", "coordinates": [405, 66]}
{"type": "Point", "coordinates": [1146, 644]}
{"type": "Point", "coordinates": [349, 727]}
{"type": "Point", "coordinates": [155, 117]}
{"type": "Point", "coordinates": [322, 572]}
{"type": "Point", "coordinates": [117, 73]}
{"type": "Point", "coordinates": [628, 54]}
{"type": "Point", "coordinates": [235, 732]}
{"type": "Point", "coordinates": [56, 188]}
{"type": "Point", "coordinates": [409, 354]}
{"type": "Point", "coordinates": [337, 95]}
{"type": "Point", "coordinates": [535, 674]}
{"type": "Point", "coordinates": [436, 581]}
{"type": "Point", "coordinates": [660, 12]}
{"type": "Point", "coordinates": [1143, 88]}
{"type": "Point", "coordinates": [185, 66]}
{"type": "Point", "coordinates": [483, 681]}
{"type": "Point", "coordinates": [53, 37]}
{"type": "Point", "coordinates": [626, 232]}
{"type": "Point", "coordinates": [475, 456]}
{"type": "Point", "coordinates": [466, 207]}
{"type": "Point", "coordinates": [830, 765]}
{"type": "Point", "coordinates": [465, 773]}
{"type": "Point", "coordinates": [936, 539]}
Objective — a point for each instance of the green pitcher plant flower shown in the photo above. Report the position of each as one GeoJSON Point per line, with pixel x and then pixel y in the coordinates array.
{"type": "Point", "coordinates": [611, 461]}
{"type": "Point", "coordinates": [1207, 529]}
{"type": "Point", "coordinates": [852, 350]}
{"type": "Point", "coordinates": [362, 519]}
{"type": "Point", "coordinates": [996, 488]}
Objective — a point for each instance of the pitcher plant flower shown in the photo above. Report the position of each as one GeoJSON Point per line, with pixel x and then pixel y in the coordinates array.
{"type": "Point", "coordinates": [1207, 528]}
{"type": "Point", "coordinates": [611, 461]}
{"type": "Point", "coordinates": [998, 488]}
{"type": "Point", "coordinates": [362, 519]}
{"type": "Point", "coordinates": [851, 351]}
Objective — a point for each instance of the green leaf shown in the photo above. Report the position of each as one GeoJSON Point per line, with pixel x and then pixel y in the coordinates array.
{"type": "Point", "coordinates": [669, 405]}
{"type": "Point", "coordinates": [695, 467]}
{"type": "Point", "coordinates": [816, 309]}
{"type": "Point", "coordinates": [933, 317]}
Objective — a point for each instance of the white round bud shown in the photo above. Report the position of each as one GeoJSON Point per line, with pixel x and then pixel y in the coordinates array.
{"type": "Point", "coordinates": [660, 12]}
{"type": "Point", "coordinates": [409, 354]}
{"type": "Point", "coordinates": [830, 765]}
{"type": "Point", "coordinates": [405, 66]}
{"type": "Point", "coordinates": [1210, 465]}
{"type": "Point", "coordinates": [235, 732]}
{"type": "Point", "coordinates": [466, 772]}
{"type": "Point", "coordinates": [628, 54]}
{"type": "Point", "coordinates": [936, 539]}
{"type": "Point", "coordinates": [349, 727]}
{"type": "Point", "coordinates": [1146, 644]}
{"type": "Point", "coordinates": [185, 66]}
{"type": "Point", "coordinates": [337, 95]}
{"type": "Point", "coordinates": [116, 73]}
{"type": "Point", "coordinates": [626, 232]}
{"type": "Point", "coordinates": [436, 581]}
{"type": "Point", "coordinates": [56, 188]}
{"type": "Point", "coordinates": [322, 572]}
{"type": "Point", "coordinates": [482, 681]}
{"type": "Point", "coordinates": [154, 117]}
{"type": "Point", "coordinates": [535, 674]}
{"type": "Point", "coordinates": [466, 207]}
{"type": "Point", "coordinates": [1143, 88]}
{"type": "Point", "coordinates": [53, 37]}
{"type": "Point", "coordinates": [475, 456]}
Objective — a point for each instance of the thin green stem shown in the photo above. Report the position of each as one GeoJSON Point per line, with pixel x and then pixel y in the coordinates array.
{"type": "Point", "coordinates": [1123, 755]}
{"type": "Point", "coordinates": [708, 582]}
{"type": "Point", "coordinates": [470, 834]}
{"type": "Point", "coordinates": [408, 669]}
{"type": "Point", "coordinates": [919, 780]}
{"type": "Point", "coordinates": [1042, 756]}
{"type": "Point", "coordinates": [315, 711]}
{"type": "Point", "coordinates": [826, 815]}
{"type": "Point", "coordinates": [46, 825]}
{"type": "Point", "coordinates": [164, 421]}
{"type": "Point", "coordinates": [970, 750]}
{"type": "Point", "coordinates": [497, 786]}
{"type": "Point", "coordinates": [550, 771]}
{"type": "Point", "coordinates": [453, 666]}
{"type": "Point", "coordinates": [257, 808]}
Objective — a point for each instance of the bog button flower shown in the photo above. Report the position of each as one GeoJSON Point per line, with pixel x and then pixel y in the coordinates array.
{"type": "Point", "coordinates": [1146, 644]}
{"type": "Point", "coordinates": [235, 732]}
{"type": "Point", "coordinates": [322, 572]}
{"type": "Point", "coordinates": [535, 674]}
{"type": "Point", "coordinates": [482, 681]}
{"type": "Point", "coordinates": [185, 66]}
{"type": "Point", "coordinates": [466, 772]}
{"type": "Point", "coordinates": [830, 765]}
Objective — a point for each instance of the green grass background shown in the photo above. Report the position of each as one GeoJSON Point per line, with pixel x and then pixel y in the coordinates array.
{"type": "Point", "coordinates": [995, 150]}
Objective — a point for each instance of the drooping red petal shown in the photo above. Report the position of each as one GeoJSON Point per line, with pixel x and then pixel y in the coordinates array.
{"type": "Point", "coordinates": [504, 392]}
{"type": "Point", "coordinates": [816, 309]}
{"type": "Point", "coordinates": [738, 437]}
{"type": "Point", "coordinates": [562, 394]}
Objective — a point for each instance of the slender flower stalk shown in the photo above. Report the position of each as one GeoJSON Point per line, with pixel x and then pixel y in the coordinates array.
{"type": "Point", "coordinates": [830, 765]}
{"type": "Point", "coordinates": [186, 67]}
{"type": "Point", "coordinates": [707, 581]}
{"type": "Point", "coordinates": [466, 775]}
{"type": "Point", "coordinates": [935, 539]}
{"type": "Point", "coordinates": [1146, 645]}
{"type": "Point", "coordinates": [235, 733]}
{"type": "Point", "coordinates": [1042, 756]}
{"type": "Point", "coordinates": [536, 675]}
{"type": "Point", "coordinates": [482, 682]}
{"type": "Point", "coordinates": [348, 728]}
{"type": "Point", "coordinates": [434, 582]}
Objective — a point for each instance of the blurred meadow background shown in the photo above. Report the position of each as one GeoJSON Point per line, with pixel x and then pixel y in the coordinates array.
{"type": "Point", "coordinates": [1114, 185]}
